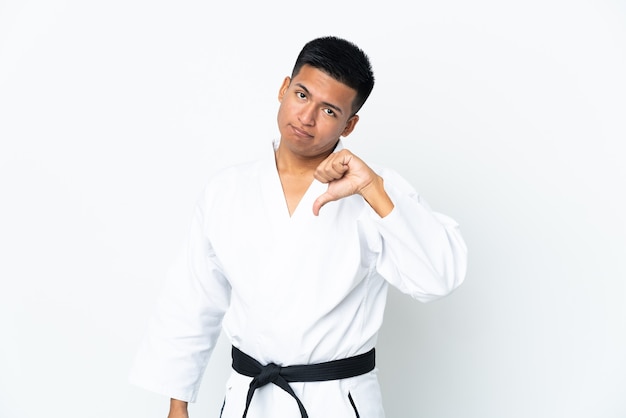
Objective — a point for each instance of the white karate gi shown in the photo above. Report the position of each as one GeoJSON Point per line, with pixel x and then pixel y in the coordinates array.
{"type": "Point", "coordinates": [293, 290]}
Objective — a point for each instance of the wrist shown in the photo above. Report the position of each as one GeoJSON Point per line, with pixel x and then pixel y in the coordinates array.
{"type": "Point", "coordinates": [177, 407]}
{"type": "Point", "coordinates": [376, 196]}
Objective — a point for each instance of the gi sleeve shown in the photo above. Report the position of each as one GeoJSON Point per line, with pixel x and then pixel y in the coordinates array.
{"type": "Point", "coordinates": [186, 322]}
{"type": "Point", "coordinates": [420, 252]}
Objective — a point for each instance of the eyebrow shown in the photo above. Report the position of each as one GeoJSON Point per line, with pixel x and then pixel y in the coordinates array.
{"type": "Point", "coordinates": [332, 106]}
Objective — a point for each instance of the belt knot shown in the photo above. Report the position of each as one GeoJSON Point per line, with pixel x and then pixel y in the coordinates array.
{"type": "Point", "coordinates": [268, 374]}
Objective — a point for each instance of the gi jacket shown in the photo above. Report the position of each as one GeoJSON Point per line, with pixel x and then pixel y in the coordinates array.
{"type": "Point", "coordinates": [294, 289]}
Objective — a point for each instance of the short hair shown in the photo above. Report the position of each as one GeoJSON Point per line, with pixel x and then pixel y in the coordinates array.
{"type": "Point", "coordinates": [343, 61]}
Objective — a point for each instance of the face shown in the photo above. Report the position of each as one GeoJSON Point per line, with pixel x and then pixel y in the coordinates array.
{"type": "Point", "coordinates": [315, 110]}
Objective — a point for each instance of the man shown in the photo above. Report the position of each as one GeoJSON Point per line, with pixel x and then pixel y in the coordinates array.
{"type": "Point", "coordinates": [292, 255]}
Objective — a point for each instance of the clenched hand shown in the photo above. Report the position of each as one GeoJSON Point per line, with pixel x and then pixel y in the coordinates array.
{"type": "Point", "coordinates": [346, 175]}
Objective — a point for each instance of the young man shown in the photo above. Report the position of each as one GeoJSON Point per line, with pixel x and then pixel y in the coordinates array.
{"type": "Point", "coordinates": [293, 255]}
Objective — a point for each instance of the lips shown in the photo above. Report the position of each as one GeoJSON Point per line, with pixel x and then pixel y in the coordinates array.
{"type": "Point", "coordinates": [300, 132]}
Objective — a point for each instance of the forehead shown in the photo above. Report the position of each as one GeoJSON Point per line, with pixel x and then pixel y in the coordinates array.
{"type": "Point", "coordinates": [324, 87]}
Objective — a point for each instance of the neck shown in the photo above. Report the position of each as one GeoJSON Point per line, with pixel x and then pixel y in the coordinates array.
{"type": "Point", "coordinates": [292, 164]}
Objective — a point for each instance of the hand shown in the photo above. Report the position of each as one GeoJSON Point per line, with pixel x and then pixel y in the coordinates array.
{"type": "Point", "coordinates": [178, 414]}
{"type": "Point", "coordinates": [346, 174]}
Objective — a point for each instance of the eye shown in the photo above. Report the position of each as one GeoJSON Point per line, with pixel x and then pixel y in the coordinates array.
{"type": "Point", "coordinates": [329, 112]}
{"type": "Point", "coordinates": [300, 95]}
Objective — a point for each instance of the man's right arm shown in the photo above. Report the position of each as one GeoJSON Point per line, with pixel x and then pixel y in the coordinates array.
{"type": "Point", "coordinates": [178, 409]}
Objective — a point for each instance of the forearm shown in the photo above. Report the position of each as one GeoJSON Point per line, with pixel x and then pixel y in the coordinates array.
{"type": "Point", "coordinates": [178, 409]}
{"type": "Point", "coordinates": [425, 255]}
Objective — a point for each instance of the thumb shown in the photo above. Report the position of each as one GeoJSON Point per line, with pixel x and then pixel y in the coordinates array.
{"type": "Point", "coordinates": [321, 201]}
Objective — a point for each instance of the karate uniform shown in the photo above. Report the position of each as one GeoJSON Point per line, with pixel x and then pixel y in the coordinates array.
{"type": "Point", "coordinates": [293, 290]}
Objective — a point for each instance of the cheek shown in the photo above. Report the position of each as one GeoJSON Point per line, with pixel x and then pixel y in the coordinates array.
{"type": "Point", "coordinates": [286, 107]}
{"type": "Point", "coordinates": [334, 129]}
{"type": "Point", "coordinates": [328, 134]}
{"type": "Point", "coordinates": [281, 113]}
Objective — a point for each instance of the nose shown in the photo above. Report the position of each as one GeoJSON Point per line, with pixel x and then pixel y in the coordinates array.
{"type": "Point", "coordinates": [307, 115]}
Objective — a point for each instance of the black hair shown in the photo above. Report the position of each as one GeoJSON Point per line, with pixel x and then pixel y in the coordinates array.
{"type": "Point", "coordinates": [343, 61]}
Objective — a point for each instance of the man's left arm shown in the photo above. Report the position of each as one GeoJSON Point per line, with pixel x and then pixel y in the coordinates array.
{"type": "Point", "coordinates": [421, 252]}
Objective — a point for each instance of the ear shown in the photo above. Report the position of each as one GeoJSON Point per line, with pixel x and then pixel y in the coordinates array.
{"type": "Point", "coordinates": [350, 125]}
{"type": "Point", "coordinates": [283, 88]}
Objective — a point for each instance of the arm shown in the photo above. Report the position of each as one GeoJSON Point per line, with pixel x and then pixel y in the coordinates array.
{"type": "Point", "coordinates": [421, 252]}
{"type": "Point", "coordinates": [186, 323]}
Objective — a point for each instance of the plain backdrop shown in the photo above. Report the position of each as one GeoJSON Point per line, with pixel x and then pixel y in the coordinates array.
{"type": "Point", "coordinates": [508, 116]}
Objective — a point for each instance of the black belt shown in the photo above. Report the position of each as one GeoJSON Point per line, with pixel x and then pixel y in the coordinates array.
{"type": "Point", "coordinates": [280, 376]}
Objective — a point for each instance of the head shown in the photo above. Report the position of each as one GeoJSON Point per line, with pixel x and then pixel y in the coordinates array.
{"type": "Point", "coordinates": [343, 61]}
{"type": "Point", "coordinates": [331, 80]}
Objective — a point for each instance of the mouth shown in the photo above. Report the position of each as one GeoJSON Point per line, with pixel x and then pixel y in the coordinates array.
{"type": "Point", "coordinates": [301, 132]}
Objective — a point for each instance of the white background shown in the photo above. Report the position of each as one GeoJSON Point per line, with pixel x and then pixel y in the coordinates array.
{"type": "Point", "coordinates": [508, 116]}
